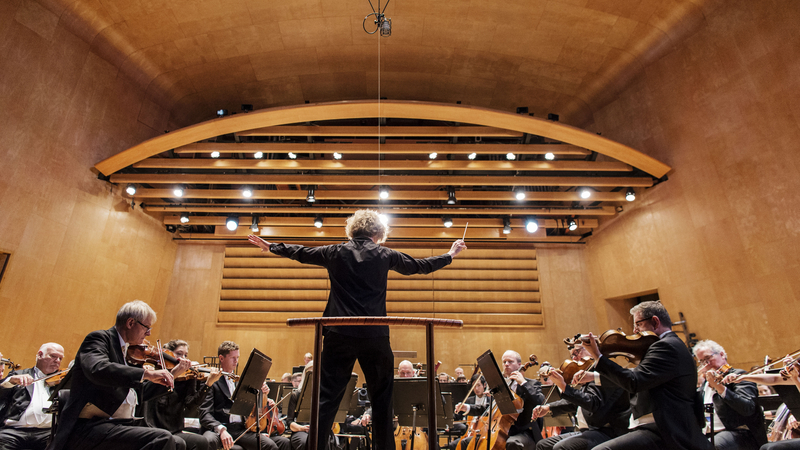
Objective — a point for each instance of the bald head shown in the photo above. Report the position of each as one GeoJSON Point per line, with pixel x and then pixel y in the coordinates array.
{"type": "Point", "coordinates": [405, 369]}
{"type": "Point", "coordinates": [49, 356]}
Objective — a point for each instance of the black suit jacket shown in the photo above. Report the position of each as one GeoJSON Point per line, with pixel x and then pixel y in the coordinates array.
{"type": "Point", "coordinates": [606, 405]}
{"type": "Point", "coordinates": [216, 408]}
{"type": "Point", "coordinates": [668, 374]}
{"type": "Point", "coordinates": [166, 412]}
{"type": "Point", "coordinates": [531, 394]}
{"type": "Point", "coordinates": [474, 410]}
{"type": "Point", "coordinates": [15, 400]}
{"type": "Point", "coordinates": [100, 376]}
{"type": "Point", "coordinates": [739, 407]}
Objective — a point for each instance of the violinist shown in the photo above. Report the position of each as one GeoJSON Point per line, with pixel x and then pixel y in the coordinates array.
{"type": "Point", "coordinates": [166, 412]}
{"type": "Point", "coordinates": [525, 432]}
{"type": "Point", "coordinates": [99, 411]}
{"type": "Point", "coordinates": [602, 412]}
{"type": "Point", "coordinates": [738, 419]}
{"type": "Point", "coordinates": [663, 384]}
{"type": "Point", "coordinates": [358, 272]}
{"type": "Point", "coordinates": [215, 416]}
{"type": "Point", "coordinates": [24, 425]}
{"type": "Point", "coordinates": [299, 430]}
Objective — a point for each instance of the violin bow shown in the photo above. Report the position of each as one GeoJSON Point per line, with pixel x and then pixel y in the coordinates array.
{"type": "Point", "coordinates": [161, 357]}
{"type": "Point", "coordinates": [262, 416]}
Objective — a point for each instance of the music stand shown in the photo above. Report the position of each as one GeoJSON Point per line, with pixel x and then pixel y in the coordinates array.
{"type": "Point", "coordinates": [552, 394]}
{"type": "Point", "coordinates": [248, 391]}
{"type": "Point", "coordinates": [410, 400]}
{"type": "Point", "coordinates": [276, 389]}
{"type": "Point", "coordinates": [459, 390]}
{"type": "Point", "coordinates": [303, 407]}
{"type": "Point", "coordinates": [501, 393]}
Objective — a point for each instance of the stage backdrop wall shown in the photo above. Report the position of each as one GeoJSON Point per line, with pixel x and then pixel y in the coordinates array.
{"type": "Point", "coordinates": [191, 314]}
{"type": "Point", "coordinates": [719, 240]}
{"type": "Point", "coordinates": [78, 251]}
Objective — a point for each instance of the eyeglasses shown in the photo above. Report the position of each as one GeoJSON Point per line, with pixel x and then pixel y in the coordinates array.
{"type": "Point", "coordinates": [145, 326]}
{"type": "Point", "coordinates": [706, 360]}
{"type": "Point", "coordinates": [636, 324]}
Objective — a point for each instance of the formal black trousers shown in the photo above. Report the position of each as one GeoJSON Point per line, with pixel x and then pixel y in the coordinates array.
{"type": "Point", "coordinates": [374, 355]}
{"type": "Point", "coordinates": [577, 440]}
{"type": "Point", "coordinates": [191, 441]}
{"type": "Point", "coordinates": [24, 438]}
{"type": "Point", "coordinates": [102, 434]}
{"type": "Point", "coordinates": [249, 441]}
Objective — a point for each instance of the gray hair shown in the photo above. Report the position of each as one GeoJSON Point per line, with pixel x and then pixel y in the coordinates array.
{"type": "Point", "coordinates": [709, 345]}
{"type": "Point", "coordinates": [366, 222]}
{"type": "Point", "coordinates": [653, 309]}
{"type": "Point", "coordinates": [50, 346]}
{"type": "Point", "coordinates": [514, 354]}
{"type": "Point", "coordinates": [137, 310]}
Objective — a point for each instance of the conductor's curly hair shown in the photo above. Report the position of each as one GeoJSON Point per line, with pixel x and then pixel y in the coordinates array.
{"type": "Point", "coordinates": [366, 222]}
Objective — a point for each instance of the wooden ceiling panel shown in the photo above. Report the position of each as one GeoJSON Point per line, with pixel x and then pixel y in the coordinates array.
{"type": "Point", "coordinates": [332, 87]}
{"type": "Point", "coordinates": [284, 63]}
{"type": "Point", "coordinates": [315, 32]}
{"type": "Point", "coordinates": [246, 40]}
{"type": "Point", "coordinates": [517, 11]}
{"type": "Point", "coordinates": [398, 58]}
{"type": "Point", "coordinates": [484, 65]}
{"type": "Point", "coordinates": [197, 50]}
{"type": "Point", "coordinates": [224, 72]}
{"type": "Point", "coordinates": [347, 58]}
{"type": "Point", "coordinates": [271, 11]}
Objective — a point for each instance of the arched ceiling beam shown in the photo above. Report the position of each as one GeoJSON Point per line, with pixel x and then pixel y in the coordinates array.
{"type": "Point", "coordinates": [386, 108]}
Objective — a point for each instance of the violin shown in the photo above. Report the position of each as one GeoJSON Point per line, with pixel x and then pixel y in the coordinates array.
{"type": "Point", "coordinates": [616, 343]}
{"type": "Point", "coordinates": [139, 355]}
{"type": "Point", "coordinates": [54, 378]}
{"type": "Point", "coordinates": [269, 422]}
{"type": "Point", "coordinates": [192, 373]}
{"type": "Point", "coordinates": [8, 363]}
{"type": "Point", "coordinates": [569, 368]}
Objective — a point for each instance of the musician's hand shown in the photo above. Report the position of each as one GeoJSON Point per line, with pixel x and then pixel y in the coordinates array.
{"type": "Point", "coordinates": [518, 377]}
{"type": "Point", "coordinates": [213, 376]}
{"type": "Point", "coordinates": [162, 377]}
{"type": "Point", "coordinates": [711, 378]}
{"type": "Point", "coordinates": [457, 247]}
{"type": "Point", "coordinates": [265, 389]}
{"type": "Point", "coordinates": [182, 366]}
{"type": "Point", "coordinates": [540, 411]}
{"type": "Point", "coordinates": [592, 347]}
{"type": "Point", "coordinates": [731, 378]}
{"type": "Point", "coordinates": [583, 377]}
{"type": "Point", "coordinates": [791, 423]}
{"type": "Point", "coordinates": [21, 380]}
{"type": "Point", "coordinates": [557, 379]}
{"type": "Point", "coordinates": [227, 440]}
{"type": "Point", "coordinates": [461, 408]}
{"type": "Point", "coordinates": [305, 428]}
{"type": "Point", "coordinates": [258, 242]}
{"type": "Point", "coordinates": [355, 422]}
{"type": "Point", "coordinates": [366, 419]}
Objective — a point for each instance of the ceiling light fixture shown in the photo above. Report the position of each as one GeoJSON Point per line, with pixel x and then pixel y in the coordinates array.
{"type": "Point", "coordinates": [184, 217]}
{"type": "Point", "coordinates": [258, 155]}
{"type": "Point", "coordinates": [337, 155]}
{"type": "Point", "coordinates": [585, 193]}
{"type": "Point", "coordinates": [215, 154]}
{"type": "Point", "coordinates": [131, 189]}
{"type": "Point", "coordinates": [178, 191]}
{"type": "Point", "coordinates": [531, 225]}
{"type": "Point", "coordinates": [510, 156]}
{"type": "Point", "coordinates": [222, 112]}
{"type": "Point", "coordinates": [384, 193]}
{"type": "Point", "coordinates": [254, 225]}
{"type": "Point", "coordinates": [630, 195]}
{"type": "Point", "coordinates": [318, 222]}
{"type": "Point", "coordinates": [310, 197]}
{"type": "Point", "coordinates": [549, 156]}
{"type": "Point", "coordinates": [381, 22]}
{"type": "Point", "coordinates": [232, 223]}
{"type": "Point", "coordinates": [433, 155]}
{"type": "Point", "coordinates": [384, 219]}
{"type": "Point", "coordinates": [520, 195]}
{"type": "Point", "coordinates": [472, 155]}
{"type": "Point", "coordinates": [448, 222]}
{"type": "Point", "coordinates": [573, 225]}
{"type": "Point", "coordinates": [292, 155]}
{"type": "Point", "coordinates": [451, 197]}
{"type": "Point", "coordinates": [506, 225]}
{"type": "Point", "coordinates": [247, 192]}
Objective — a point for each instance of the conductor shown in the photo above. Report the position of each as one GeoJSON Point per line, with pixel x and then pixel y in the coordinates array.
{"type": "Point", "coordinates": [358, 272]}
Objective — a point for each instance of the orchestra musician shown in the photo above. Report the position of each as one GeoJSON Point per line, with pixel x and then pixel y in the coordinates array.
{"type": "Point", "coordinates": [405, 369]}
{"type": "Point", "coordinates": [789, 376]}
{"type": "Point", "coordinates": [738, 419]}
{"type": "Point", "coordinates": [166, 412]}
{"type": "Point", "coordinates": [525, 432]}
{"type": "Point", "coordinates": [476, 404]}
{"type": "Point", "coordinates": [102, 399]}
{"type": "Point", "coordinates": [223, 427]}
{"type": "Point", "coordinates": [602, 412]}
{"type": "Point", "coordinates": [459, 372]}
{"type": "Point", "coordinates": [664, 383]}
{"type": "Point", "coordinates": [358, 272]}
{"type": "Point", "coordinates": [22, 399]}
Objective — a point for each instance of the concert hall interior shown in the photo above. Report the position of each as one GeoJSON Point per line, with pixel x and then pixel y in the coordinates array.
{"type": "Point", "coordinates": [708, 89]}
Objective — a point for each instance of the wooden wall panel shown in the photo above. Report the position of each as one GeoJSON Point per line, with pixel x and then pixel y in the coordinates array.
{"type": "Point", "coordinates": [475, 286]}
{"type": "Point", "coordinates": [719, 239]}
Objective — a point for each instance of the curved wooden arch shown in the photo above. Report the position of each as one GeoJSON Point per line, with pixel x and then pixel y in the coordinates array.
{"type": "Point", "coordinates": [386, 108]}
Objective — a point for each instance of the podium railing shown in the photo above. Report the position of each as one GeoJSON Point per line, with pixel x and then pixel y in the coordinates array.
{"type": "Point", "coordinates": [319, 322]}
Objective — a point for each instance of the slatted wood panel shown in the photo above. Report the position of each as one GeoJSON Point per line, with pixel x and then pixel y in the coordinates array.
{"type": "Point", "coordinates": [481, 287]}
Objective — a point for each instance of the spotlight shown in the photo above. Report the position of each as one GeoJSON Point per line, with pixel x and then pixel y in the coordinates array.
{"type": "Point", "coordinates": [384, 219]}
{"type": "Point", "coordinates": [520, 195]}
{"type": "Point", "coordinates": [585, 193]}
{"type": "Point", "coordinates": [531, 225]}
{"type": "Point", "coordinates": [184, 217]}
{"type": "Point", "coordinates": [131, 189]}
{"type": "Point", "coordinates": [337, 155]}
{"type": "Point", "coordinates": [254, 225]}
{"type": "Point", "coordinates": [553, 117]}
{"type": "Point", "coordinates": [448, 222]}
{"type": "Point", "coordinates": [222, 112]}
{"type": "Point", "coordinates": [247, 192]}
{"type": "Point", "coordinates": [384, 194]}
{"type": "Point", "coordinates": [506, 225]}
{"type": "Point", "coordinates": [215, 154]}
{"type": "Point", "coordinates": [472, 155]}
{"type": "Point", "coordinates": [258, 155]}
{"type": "Point", "coordinates": [292, 155]}
{"type": "Point", "coordinates": [451, 197]}
{"type": "Point", "coordinates": [386, 27]}
{"type": "Point", "coordinates": [318, 222]}
{"type": "Point", "coordinates": [629, 195]}
{"type": "Point", "coordinates": [573, 225]}
{"type": "Point", "coordinates": [549, 156]}
{"type": "Point", "coordinates": [247, 107]}
{"type": "Point", "coordinates": [511, 156]}
{"type": "Point", "coordinates": [232, 223]}
{"type": "Point", "coordinates": [433, 155]}
{"type": "Point", "coordinates": [310, 197]}
{"type": "Point", "coordinates": [178, 191]}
